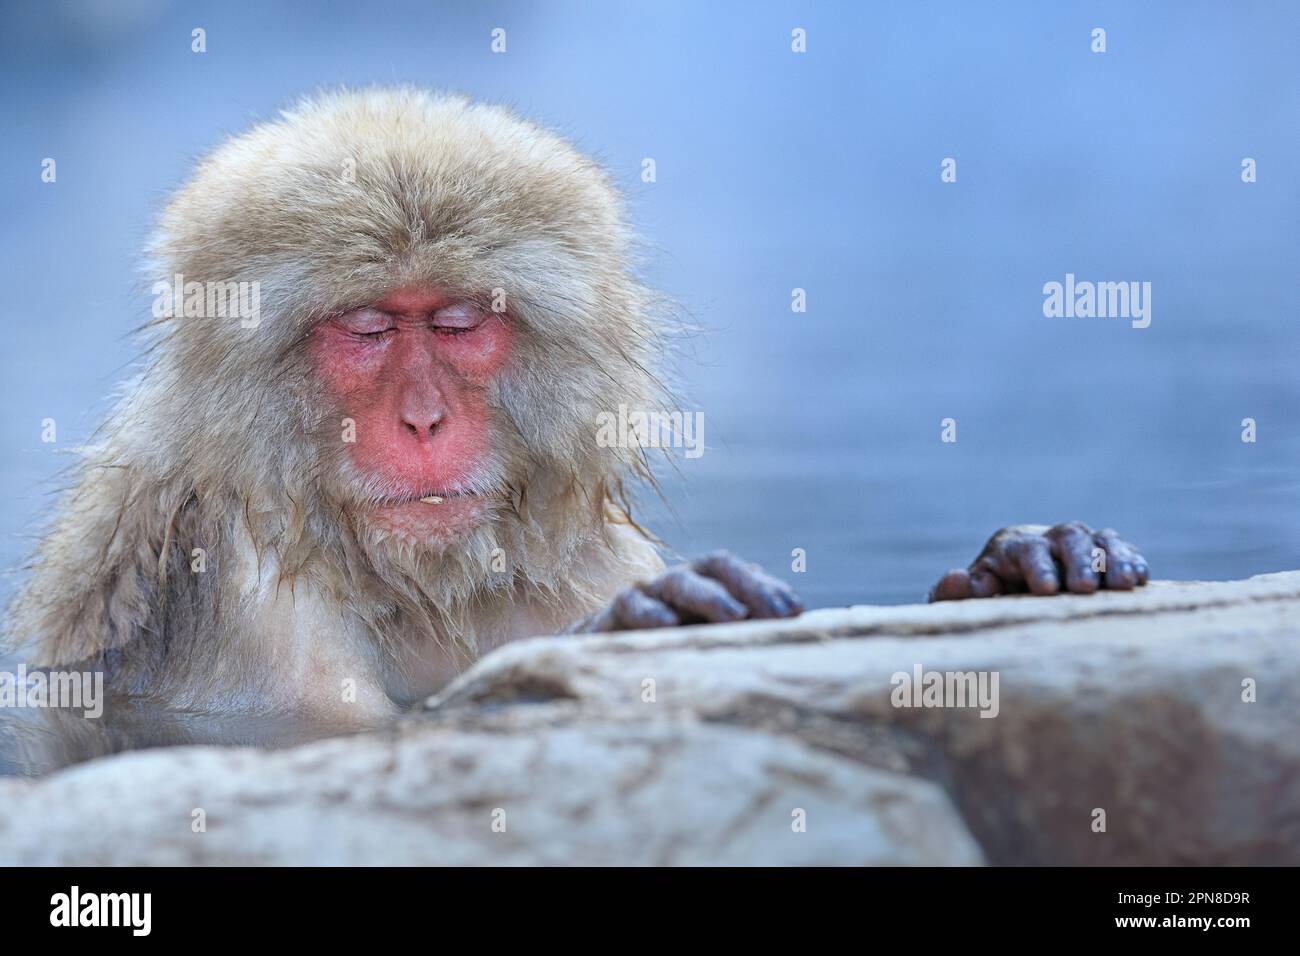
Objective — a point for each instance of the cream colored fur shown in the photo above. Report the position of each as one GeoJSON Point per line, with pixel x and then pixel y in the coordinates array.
{"type": "Point", "coordinates": [227, 443]}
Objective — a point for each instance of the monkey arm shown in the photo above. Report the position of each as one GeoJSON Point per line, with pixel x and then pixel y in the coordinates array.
{"type": "Point", "coordinates": [1046, 560]}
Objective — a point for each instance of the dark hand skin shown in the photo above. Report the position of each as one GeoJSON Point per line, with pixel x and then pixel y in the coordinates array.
{"type": "Point", "coordinates": [717, 588]}
{"type": "Point", "coordinates": [1037, 559]}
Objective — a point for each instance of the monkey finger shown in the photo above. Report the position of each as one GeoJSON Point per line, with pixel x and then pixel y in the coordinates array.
{"type": "Point", "coordinates": [984, 583]}
{"type": "Point", "coordinates": [1143, 571]}
{"type": "Point", "coordinates": [694, 596]}
{"type": "Point", "coordinates": [789, 603]}
{"type": "Point", "coordinates": [1034, 557]}
{"type": "Point", "coordinates": [953, 586]}
{"type": "Point", "coordinates": [764, 595]}
{"type": "Point", "coordinates": [601, 622]}
{"type": "Point", "coordinates": [635, 610]}
{"type": "Point", "coordinates": [1121, 571]}
{"type": "Point", "coordinates": [1072, 546]}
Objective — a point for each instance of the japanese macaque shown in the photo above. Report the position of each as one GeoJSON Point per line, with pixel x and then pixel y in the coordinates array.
{"type": "Point", "coordinates": [361, 451]}
{"type": "Point", "coordinates": [363, 447]}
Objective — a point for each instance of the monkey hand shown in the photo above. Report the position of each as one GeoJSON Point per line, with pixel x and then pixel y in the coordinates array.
{"type": "Point", "coordinates": [717, 588]}
{"type": "Point", "coordinates": [1042, 560]}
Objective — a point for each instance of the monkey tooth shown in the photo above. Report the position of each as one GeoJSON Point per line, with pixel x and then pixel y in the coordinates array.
{"type": "Point", "coordinates": [432, 500]}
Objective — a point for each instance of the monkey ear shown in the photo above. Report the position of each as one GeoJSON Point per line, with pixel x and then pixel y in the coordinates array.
{"type": "Point", "coordinates": [95, 575]}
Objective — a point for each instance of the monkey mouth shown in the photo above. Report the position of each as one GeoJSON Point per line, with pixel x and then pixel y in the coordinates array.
{"type": "Point", "coordinates": [430, 516]}
{"type": "Point", "coordinates": [426, 496]}
{"type": "Point", "coordinates": [433, 498]}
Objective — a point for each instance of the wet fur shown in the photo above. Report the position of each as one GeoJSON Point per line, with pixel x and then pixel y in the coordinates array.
{"type": "Point", "coordinates": [226, 442]}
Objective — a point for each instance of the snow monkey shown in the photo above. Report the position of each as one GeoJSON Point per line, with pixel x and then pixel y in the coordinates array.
{"type": "Point", "coordinates": [361, 450]}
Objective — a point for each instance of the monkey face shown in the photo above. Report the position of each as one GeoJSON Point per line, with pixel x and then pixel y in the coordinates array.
{"type": "Point", "coordinates": [413, 372]}
{"type": "Point", "coordinates": [446, 305]}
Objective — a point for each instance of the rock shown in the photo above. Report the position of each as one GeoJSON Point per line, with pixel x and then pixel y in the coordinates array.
{"type": "Point", "coordinates": [714, 744]}
{"type": "Point", "coordinates": [658, 793]}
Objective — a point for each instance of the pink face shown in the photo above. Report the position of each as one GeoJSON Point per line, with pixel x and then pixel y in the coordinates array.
{"type": "Point", "coordinates": [412, 370]}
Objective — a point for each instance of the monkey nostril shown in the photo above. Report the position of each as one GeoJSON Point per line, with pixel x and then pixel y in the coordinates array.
{"type": "Point", "coordinates": [426, 427]}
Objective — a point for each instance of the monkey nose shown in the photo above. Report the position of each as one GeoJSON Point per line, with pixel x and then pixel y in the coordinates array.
{"type": "Point", "coordinates": [421, 423]}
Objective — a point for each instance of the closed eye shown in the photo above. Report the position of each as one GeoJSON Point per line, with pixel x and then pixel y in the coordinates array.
{"type": "Point", "coordinates": [367, 324]}
{"type": "Point", "coordinates": [457, 319]}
